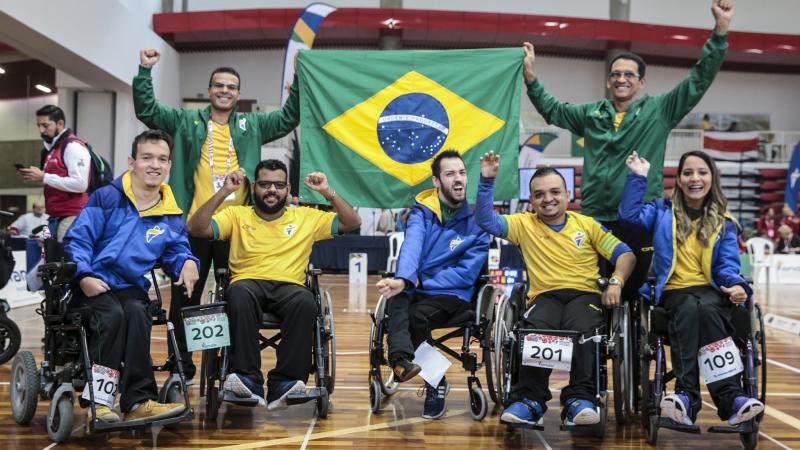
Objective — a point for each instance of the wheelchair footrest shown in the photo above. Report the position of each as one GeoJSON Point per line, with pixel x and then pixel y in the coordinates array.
{"type": "Point", "coordinates": [230, 397]}
{"type": "Point", "coordinates": [298, 397]}
{"type": "Point", "coordinates": [744, 427]}
{"type": "Point", "coordinates": [665, 422]}
{"type": "Point", "coordinates": [590, 427]}
{"type": "Point", "coordinates": [99, 425]}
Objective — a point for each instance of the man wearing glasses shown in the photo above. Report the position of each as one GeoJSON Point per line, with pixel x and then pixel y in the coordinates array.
{"type": "Point", "coordinates": [210, 143]}
{"type": "Point", "coordinates": [628, 121]}
{"type": "Point", "coordinates": [270, 248]}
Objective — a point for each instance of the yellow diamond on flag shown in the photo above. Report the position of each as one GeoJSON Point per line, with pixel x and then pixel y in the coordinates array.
{"type": "Point", "coordinates": [404, 125]}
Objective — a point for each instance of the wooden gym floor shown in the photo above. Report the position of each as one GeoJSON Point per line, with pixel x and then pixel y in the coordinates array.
{"type": "Point", "coordinates": [350, 423]}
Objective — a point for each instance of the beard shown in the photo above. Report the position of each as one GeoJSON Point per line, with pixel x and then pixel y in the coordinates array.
{"type": "Point", "coordinates": [48, 139]}
{"type": "Point", "coordinates": [447, 193]}
{"type": "Point", "coordinates": [263, 207]}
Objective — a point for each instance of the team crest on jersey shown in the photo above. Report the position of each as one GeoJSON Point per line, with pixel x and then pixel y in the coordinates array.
{"type": "Point", "coordinates": [153, 232]}
{"type": "Point", "coordinates": [455, 242]}
{"type": "Point", "coordinates": [578, 238]}
{"type": "Point", "coordinates": [289, 230]}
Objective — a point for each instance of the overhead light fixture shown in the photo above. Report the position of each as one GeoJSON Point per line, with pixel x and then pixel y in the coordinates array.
{"type": "Point", "coordinates": [680, 37]}
{"type": "Point", "coordinates": [391, 23]}
{"type": "Point", "coordinates": [563, 25]}
{"type": "Point", "coordinates": [551, 24]}
{"type": "Point", "coordinates": [2, 71]}
{"type": "Point", "coordinates": [43, 88]}
{"type": "Point", "coordinates": [756, 51]}
{"type": "Point", "coordinates": [782, 47]}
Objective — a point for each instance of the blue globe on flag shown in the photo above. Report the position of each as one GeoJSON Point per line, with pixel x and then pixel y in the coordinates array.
{"type": "Point", "coordinates": [413, 128]}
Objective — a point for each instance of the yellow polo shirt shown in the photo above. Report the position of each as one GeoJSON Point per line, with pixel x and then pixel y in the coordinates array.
{"type": "Point", "coordinates": [203, 186]}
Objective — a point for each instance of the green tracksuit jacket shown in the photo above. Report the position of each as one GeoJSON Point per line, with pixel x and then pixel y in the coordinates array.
{"type": "Point", "coordinates": [189, 128]}
{"type": "Point", "coordinates": [644, 129]}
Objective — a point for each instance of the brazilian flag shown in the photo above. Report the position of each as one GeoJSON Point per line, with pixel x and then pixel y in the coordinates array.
{"type": "Point", "coordinates": [374, 120]}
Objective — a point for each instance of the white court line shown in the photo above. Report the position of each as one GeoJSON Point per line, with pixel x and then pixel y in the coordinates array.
{"type": "Point", "coordinates": [544, 442]}
{"type": "Point", "coordinates": [760, 433]}
{"type": "Point", "coordinates": [310, 429]}
{"type": "Point", "coordinates": [50, 446]}
{"type": "Point", "coordinates": [783, 366]}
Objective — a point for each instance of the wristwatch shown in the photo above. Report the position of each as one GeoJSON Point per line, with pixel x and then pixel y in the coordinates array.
{"type": "Point", "coordinates": [616, 281]}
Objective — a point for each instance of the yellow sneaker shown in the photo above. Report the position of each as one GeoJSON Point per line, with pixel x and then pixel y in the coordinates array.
{"type": "Point", "coordinates": [152, 410]}
{"type": "Point", "coordinates": [105, 414]}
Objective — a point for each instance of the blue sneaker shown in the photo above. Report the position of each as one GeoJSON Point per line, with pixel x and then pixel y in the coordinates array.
{"type": "Point", "coordinates": [525, 411]}
{"type": "Point", "coordinates": [435, 400]}
{"type": "Point", "coordinates": [581, 412]}
{"type": "Point", "coordinates": [677, 407]}
{"type": "Point", "coordinates": [244, 387]}
{"type": "Point", "coordinates": [279, 391]}
{"type": "Point", "coordinates": [744, 409]}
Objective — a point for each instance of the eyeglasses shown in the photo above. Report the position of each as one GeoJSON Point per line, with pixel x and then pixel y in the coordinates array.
{"type": "Point", "coordinates": [231, 87]}
{"type": "Point", "coordinates": [626, 75]}
{"type": "Point", "coordinates": [266, 184]}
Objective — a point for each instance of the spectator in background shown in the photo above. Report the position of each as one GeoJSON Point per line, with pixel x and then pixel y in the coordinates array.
{"type": "Point", "coordinates": [790, 219]}
{"type": "Point", "coordinates": [788, 242]}
{"type": "Point", "coordinates": [64, 172]}
{"type": "Point", "coordinates": [705, 124]}
{"type": "Point", "coordinates": [734, 126]}
{"type": "Point", "coordinates": [402, 219]}
{"type": "Point", "coordinates": [767, 225]}
{"type": "Point", "coordinates": [26, 223]}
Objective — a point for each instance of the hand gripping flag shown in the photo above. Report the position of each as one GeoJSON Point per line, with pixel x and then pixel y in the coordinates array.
{"type": "Point", "coordinates": [374, 120]}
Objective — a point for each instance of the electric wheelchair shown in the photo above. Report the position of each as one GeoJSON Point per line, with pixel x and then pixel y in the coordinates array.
{"type": "Point", "coordinates": [652, 338]}
{"type": "Point", "coordinates": [214, 366]}
{"type": "Point", "coordinates": [66, 368]}
{"type": "Point", "coordinates": [472, 325]}
{"type": "Point", "coordinates": [10, 337]}
{"type": "Point", "coordinates": [613, 341]}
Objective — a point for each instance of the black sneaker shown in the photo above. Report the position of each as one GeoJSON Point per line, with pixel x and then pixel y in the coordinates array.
{"type": "Point", "coordinates": [405, 370]}
{"type": "Point", "coordinates": [435, 400]}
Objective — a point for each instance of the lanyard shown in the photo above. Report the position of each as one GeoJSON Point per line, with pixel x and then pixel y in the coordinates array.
{"type": "Point", "coordinates": [211, 152]}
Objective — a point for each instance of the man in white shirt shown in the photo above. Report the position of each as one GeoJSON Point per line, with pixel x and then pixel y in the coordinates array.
{"type": "Point", "coordinates": [26, 223]}
{"type": "Point", "coordinates": [65, 170]}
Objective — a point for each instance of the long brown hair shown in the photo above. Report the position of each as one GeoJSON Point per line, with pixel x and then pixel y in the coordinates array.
{"type": "Point", "coordinates": [714, 205]}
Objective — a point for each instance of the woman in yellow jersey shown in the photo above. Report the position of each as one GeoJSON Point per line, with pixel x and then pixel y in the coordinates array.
{"type": "Point", "coordinates": [696, 263]}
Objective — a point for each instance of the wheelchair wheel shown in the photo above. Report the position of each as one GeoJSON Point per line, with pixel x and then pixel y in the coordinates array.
{"type": "Point", "coordinates": [24, 388]}
{"type": "Point", "coordinates": [503, 348]}
{"type": "Point", "coordinates": [171, 392]}
{"type": "Point", "coordinates": [380, 368]}
{"type": "Point", "coordinates": [760, 357]}
{"type": "Point", "coordinates": [10, 339]}
{"type": "Point", "coordinates": [600, 428]}
{"type": "Point", "coordinates": [645, 394]}
{"type": "Point", "coordinates": [749, 440]}
{"type": "Point", "coordinates": [487, 340]}
{"type": "Point", "coordinates": [323, 403]}
{"type": "Point", "coordinates": [621, 361]}
{"type": "Point", "coordinates": [60, 419]}
{"type": "Point", "coordinates": [478, 406]}
{"type": "Point", "coordinates": [652, 429]}
{"type": "Point", "coordinates": [375, 396]}
{"type": "Point", "coordinates": [213, 384]}
{"type": "Point", "coordinates": [329, 343]}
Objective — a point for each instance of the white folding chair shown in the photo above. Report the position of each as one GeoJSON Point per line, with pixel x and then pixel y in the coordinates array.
{"type": "Point", "coordinates": [760, 251]}
{"type": "Point", "coordinates": [395, 242]}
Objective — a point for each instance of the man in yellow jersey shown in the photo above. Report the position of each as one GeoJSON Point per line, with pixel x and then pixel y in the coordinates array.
{"type": "Point", "coordinates": [561, 251]}
{"type": "Point", "coordinates": [209, 144]}
{"type": "Point", "coordinates": [270, 249]}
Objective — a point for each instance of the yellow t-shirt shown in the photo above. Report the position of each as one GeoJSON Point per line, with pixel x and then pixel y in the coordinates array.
{"type": "Point", "coordinates": [618, 119]}
{"type": "Point", "coordinates": [276, 250]}
{"type": "Point", "coordinates": [203, 186]}
{"type": "Point", "coordinates": [688, 263]}
{"type": "Point", "coordinates": [565, 259]}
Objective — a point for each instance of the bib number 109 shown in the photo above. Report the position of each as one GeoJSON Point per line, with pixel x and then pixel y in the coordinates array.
{"type": "Point", "coordinates": [719, 360]}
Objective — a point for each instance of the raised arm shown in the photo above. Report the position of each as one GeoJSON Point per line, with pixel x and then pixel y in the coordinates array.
{"type": "Point", "coordinates": [632, 208]}
{"type": "Point", "coordinates": [349, 219]}
{"type": "Point", "coordinates": [147, 110]}
{"type": "Point", "coordinates": [200, 223]}
{"type": "Point", "coordinates": [485, 217]}
{"type": "Point", "coordinates": [277, 124]}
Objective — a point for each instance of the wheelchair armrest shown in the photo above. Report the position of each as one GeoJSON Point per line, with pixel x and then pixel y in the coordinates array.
{"type": "Point", "coordinates": [385, 274]}
{"type": "Point", "coordinates": [221, 274]}
{"type": "Point", "coordinates": [314, 271]}
{"type": "Point", "coordinates": [59, 270]}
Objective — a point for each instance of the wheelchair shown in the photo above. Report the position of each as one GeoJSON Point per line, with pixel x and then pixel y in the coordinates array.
{"type": "Point", "coordinates": [214, 365]}
{"type": "Point", "coordinates": [66, 368]}
{"type": "Point", "coordinates": [614, 342]}
{"type": "Point", "coordinates": [652, 337]}
{"type": "Point", "coordinates": [471, 325]}
{"type": "Point", "coordinates": [10, 337]}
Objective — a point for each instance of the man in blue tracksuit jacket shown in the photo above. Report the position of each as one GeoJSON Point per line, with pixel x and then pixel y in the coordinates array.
{"type": "Point", "coordinates": [440, 260]}
{"type": "Point", "coordinates": [122, 232]}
